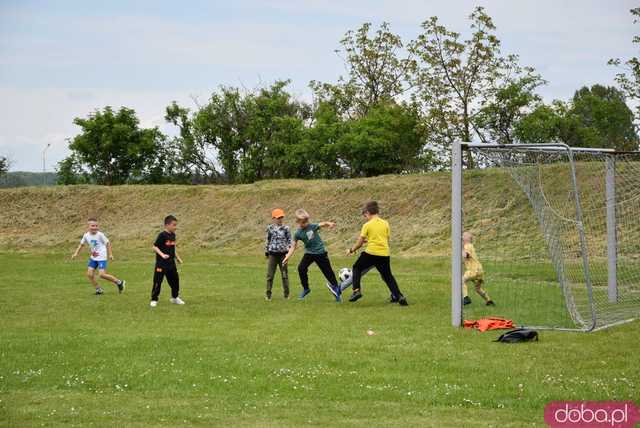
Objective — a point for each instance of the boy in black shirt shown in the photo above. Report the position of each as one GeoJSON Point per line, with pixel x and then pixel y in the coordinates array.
{"type": "Point", "coordinates": [166, 256]}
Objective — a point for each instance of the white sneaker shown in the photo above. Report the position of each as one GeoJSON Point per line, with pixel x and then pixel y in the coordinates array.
{"type": "Point", "coordinates": [177, 301]}
{"type": "Point", "coordinates": [153, 303]}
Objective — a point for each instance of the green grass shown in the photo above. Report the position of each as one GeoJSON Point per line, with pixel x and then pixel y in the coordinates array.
{"type": "Point", "coordinates": [228, 358]}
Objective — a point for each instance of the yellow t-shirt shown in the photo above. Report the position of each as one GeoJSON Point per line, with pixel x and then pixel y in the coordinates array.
{"type": "Point", "coordinates": [471, 263]}
{"type": "Point", "coordinates": [376, 231]}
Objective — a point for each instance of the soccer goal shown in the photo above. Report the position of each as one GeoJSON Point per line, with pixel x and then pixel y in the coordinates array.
{"type": "Point", "coordinates": [557, 230]}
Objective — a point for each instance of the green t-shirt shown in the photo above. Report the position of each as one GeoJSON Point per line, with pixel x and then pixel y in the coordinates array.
{"type": "Point", "coordinates": [310, 236]}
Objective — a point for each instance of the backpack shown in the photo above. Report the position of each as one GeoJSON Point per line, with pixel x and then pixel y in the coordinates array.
{"type": "Point", "coordinates": [518, 335]}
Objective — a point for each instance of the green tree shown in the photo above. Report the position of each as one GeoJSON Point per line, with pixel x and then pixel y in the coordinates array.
{"type": "Point", "coordinates": [595, 117]}
{"type": "Point", "coordinates": [112, 148]}
{"type": "Point", "coordinates": [377, 71]}
{"type": "Point", "coordinates": [385, 141]}
{"type": "Point", "coordinates": [629, 81]}
{"type": "Point", "coordinates": [69, 171]}
{"type": "Point", "coordinates": [243, 137]}
{"type": "Point", "coordinates": [4, 166]}
{"type": "Point", "coordinates": [604, 119]}
{"type": "Point", "coordinates": [456, 79]}
{"type": "Point", "coordinates": [510, 104]}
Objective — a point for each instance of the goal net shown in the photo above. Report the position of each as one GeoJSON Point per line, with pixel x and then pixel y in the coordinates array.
{"type": "Point", "coordinates": [557, 231]}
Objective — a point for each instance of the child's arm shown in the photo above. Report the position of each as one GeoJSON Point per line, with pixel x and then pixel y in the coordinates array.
{"type": "Point", "coordinates": [109, 250]}
{"type": "Point", "coordinates": [160, 253]}
{"type": "Point", "coordinates": [327, 224]}
{"type": "Point", "coordinates": [359, 243]}
{"type": "Point", "coordinates": [177, 256]}
{"type": "Point", "coordinates": [290, 253]}
{"type": "Point", "coordinates": [75, 254]}
{"type": "Point", "coordinates": [266, 245]}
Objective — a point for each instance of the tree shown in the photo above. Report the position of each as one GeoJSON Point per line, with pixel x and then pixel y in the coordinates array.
{"type": "Point", "coordinates": [510, 104]}
{"type": "Point", "coordinates": [605, 119]}
{"type": "Point", "coordinates": [243, 137]}
{"type": "Point", "coordinates": [547, 123]}
{"type": "Point", "coordinates": [385, 141]}
{"type": "Point", "coordinates": [4, 166]}
{"type": "Point", "coordinates": [595, 117]}
{"type": "Point", "coordinates": [111, 147]}
{"type": "Point", "coordinates": [377, 71]}
{"type": "Point", "coordinates": [629, 81]}
{"type": "Point", "coordinates": [456, 79]}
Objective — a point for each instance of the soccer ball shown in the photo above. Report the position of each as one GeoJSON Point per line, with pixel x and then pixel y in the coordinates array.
{"type": "Point", "coordinates": [345, 274]}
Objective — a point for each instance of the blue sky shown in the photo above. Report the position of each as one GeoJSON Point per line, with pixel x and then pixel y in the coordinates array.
{"type": "Point", "coordinates": [63, 59]}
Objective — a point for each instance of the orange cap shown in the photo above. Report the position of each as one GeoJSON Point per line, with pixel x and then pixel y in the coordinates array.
{"type": "Point", "coordinates": [277, 213]}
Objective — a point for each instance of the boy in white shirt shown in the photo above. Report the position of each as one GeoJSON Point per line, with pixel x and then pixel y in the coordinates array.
{"type": "Point", "coordinates": [100, 249]}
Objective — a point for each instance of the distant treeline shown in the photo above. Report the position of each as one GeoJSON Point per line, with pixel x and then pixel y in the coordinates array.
{"type": "Point", "coordinates": [397, 109]}
{"type": "Point", "coordinates": [22, 179]}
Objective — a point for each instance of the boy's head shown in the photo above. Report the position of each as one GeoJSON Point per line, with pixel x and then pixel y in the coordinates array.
{"type": "Point", "coordinates": [92, 224]}
{"type": "Point", "coordinates": [467, 237]}
{"type": "Point", "coordinates": [370, 209]}
{"type": "Point", "coordinates": [277, 215]}
{"type": "Point", "coordinates": [302, 217]}
{"type": "Point", "coordinates": [170, 223]}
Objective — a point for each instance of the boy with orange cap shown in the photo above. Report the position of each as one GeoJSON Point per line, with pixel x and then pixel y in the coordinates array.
{"type": "Point", "coordinates": [276, 248]}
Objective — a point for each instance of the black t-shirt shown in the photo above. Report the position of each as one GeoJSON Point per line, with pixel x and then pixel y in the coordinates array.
{"type": "Point", "coordinates": [166, 242]}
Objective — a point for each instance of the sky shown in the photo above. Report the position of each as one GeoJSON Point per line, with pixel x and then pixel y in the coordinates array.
{"type": "Point", "coordinates": [64, 59]}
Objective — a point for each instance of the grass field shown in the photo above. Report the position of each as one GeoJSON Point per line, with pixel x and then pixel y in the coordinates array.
{"type": "Point", "coordinates": [228, 358]}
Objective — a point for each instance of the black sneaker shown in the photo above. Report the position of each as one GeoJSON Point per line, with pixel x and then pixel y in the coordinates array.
{"type": "Point", "coordinates": [121, 285]}
{"type": "Point", "coordinates": [466, 300]}
{"type": "Point", "coordinates": [355, 296]}
{"type": "Point", "coordinates": [393, 299]}
{"type": "Point", "coordinates": [402, 301]}
{"type": "Point", "coordinates": [490, 303]}
{"type": "Point", "coordinates": [99, 291]}
{"type": "Point", "coordinates": [267, 297]}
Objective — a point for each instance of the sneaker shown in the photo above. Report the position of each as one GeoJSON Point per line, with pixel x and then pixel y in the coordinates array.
{"type": "Point", "coordinates": [490, 303]}
{"type": "Point", "coordinates": [304, 293]}
{"type": "Point", "coordinates": [355, 296]}
{"type": "Point", "coordinates": [267, 298]}
{"type": "Point", "coordinates": [99, 291]}
{"type": "Point", "coordinates": [153, 303]}
{"type": "Point", "coordinates": [335, 290]}
{"type": "Point", "coordinates": [393, 299]}
{"type": "Point", "coordinates": [466, 300]}
{"type": "Point", "coordinates": [332, 289]}
{"type": "Point", "coordinates": [177, 301]}
{"type": "Point", "coordinates": [121, 286]}
{"type": "Point", "coordinates": [286, 297]}
{"type": "Point", "coordinates": [402, 301]}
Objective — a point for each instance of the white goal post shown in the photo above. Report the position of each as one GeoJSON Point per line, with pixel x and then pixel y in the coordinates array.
{"type": "Point", "coordinates": [579, 202]}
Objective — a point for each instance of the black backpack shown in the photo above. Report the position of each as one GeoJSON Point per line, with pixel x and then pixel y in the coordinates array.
{"type": "Point", "coordinates": [518, 335]}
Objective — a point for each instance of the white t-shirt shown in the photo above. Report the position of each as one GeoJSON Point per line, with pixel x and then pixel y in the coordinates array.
{"type": "Point", "coordinates": [97, 245]}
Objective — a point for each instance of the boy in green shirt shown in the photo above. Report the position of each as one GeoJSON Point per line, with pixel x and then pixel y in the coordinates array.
{"type": "Point", "coordinates": [314, 252]}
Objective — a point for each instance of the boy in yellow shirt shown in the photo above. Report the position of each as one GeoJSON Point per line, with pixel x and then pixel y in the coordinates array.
{"type": "Point", "coordinates": [473, 271]}
{"type": "Point", "coordinates": [375, 233]}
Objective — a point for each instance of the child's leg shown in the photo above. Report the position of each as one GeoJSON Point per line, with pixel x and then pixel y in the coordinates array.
{"type": "Point", "coordinates": [285, 276]}
{"type": "Point", "coordinates": [383, 264]}
{"type": "Point", "coordinates": [174, 281]}
{"type": "Point", "coordinates": [481, 291]}
{"type": "Point", "coordinates": [324, 264]}
{"type": "Point", "coordinates": [104, 275]}
{"type": "Point", "coordinates": [465, 278]}
{"type": "Point", "coordinates": [364, 263]}
{"type": "Point", "coordinates": [158, 276]}
{"type": "Point", "coordinates": [272, 262]}
{"type": "Point", "coordinates": [303, 270]}
{"type": "Point", "coordinates": [91, 276]}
